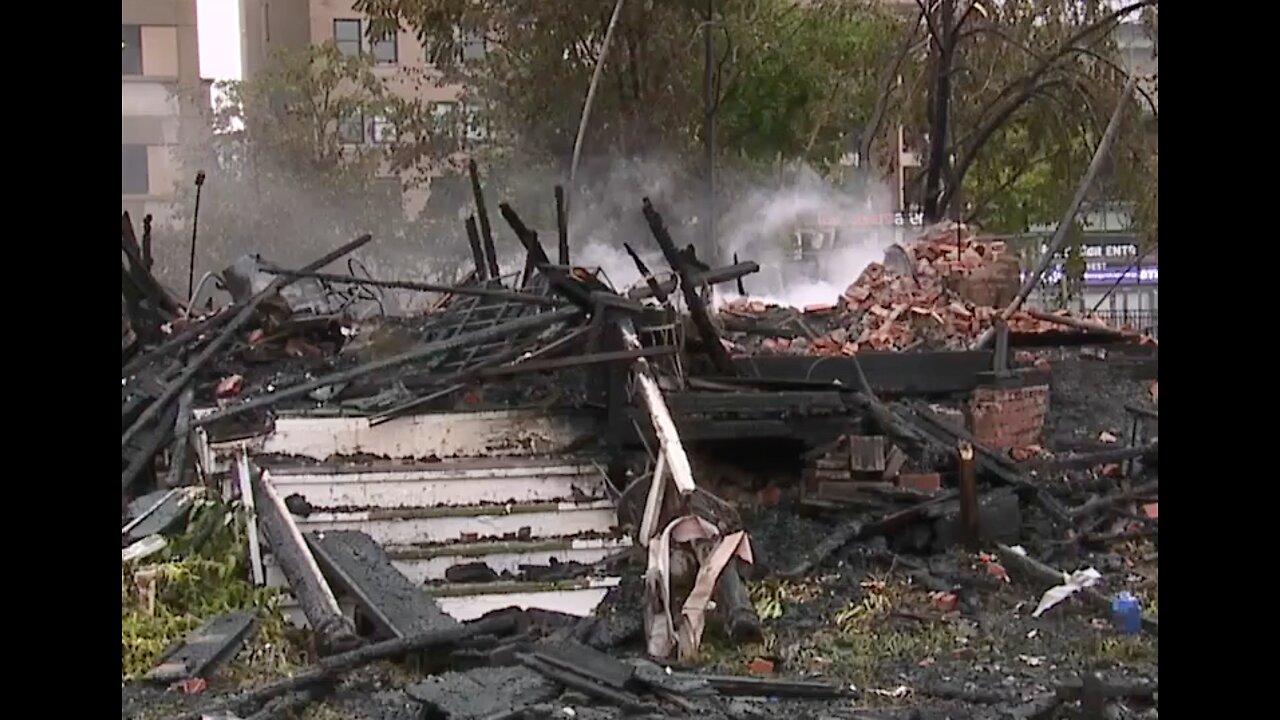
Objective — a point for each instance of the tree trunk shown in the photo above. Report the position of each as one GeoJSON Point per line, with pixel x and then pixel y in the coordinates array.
{"type": "Point", "coordinates": [940, 102]}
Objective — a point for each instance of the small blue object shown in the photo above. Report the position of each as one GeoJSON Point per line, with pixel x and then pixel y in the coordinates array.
{"type": "Point", "coordinates": [1126, 614]}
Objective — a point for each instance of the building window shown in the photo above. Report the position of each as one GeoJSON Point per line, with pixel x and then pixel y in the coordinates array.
{"type": "Point", "coordinates": [385, 51]}
{"type": "Point", "coordinates": [446, 120]}
{"type": "Point", "coordinates": [347, 34]}
{"type": "Point", "coordinates": [382, 130]}
{"type": "Point", "coordinates": [477, 125]}
{"type": "Point", "coordinates": [131, 50]}
{"type": "Point", "coordinates": [351, 129]}
{"type": "Point", "coordinates": [471, 45]}
{"type": "Point", "coordinates": [134, 179]}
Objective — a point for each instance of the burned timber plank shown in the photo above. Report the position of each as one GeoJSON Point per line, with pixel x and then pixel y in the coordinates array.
{"type": "Point", "coordinates": [335, 666]}
{"type": "Point", "coordinates": [360, 567]}
{"type": "Point", "coordinates": [714, 276]}
{"type": "Point", "coordinates": [925, 373]}
{"type": "Point", "coordinates": [697, 309]}
{"type": "Point", "coordinates": [482, 692]}
{"type": "Point", "coordinates": [334, 632]}
{"type": "Point", "coordinates": [214, 642]}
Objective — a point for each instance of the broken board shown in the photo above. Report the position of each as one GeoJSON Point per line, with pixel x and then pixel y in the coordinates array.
{"type": "Point", "coordinates": [482, 692]}
{"type": "Point", "coordinates": [358, 565]}
{"type": "Point", "coordinates": [214, 642]}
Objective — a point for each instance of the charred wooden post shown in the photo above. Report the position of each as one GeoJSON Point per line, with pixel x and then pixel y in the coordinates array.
{"type": "Point", "coordinates": [562, 225]}
{"type": "Point", "coordinates": [664, 427]}
{"type": "Point", "coordinates": [486, 231]}
{"type": "Point", "coordinates": [616, 399]}
{"type": "Point", "coordinates": [333, 631]}
{"type": "Point", "coordinates": [147, 258]}
{"type": "Point", "coordinates": [645, 273]}
{"type": "Point", "coordinates": [477, 251]}
{"type": "Point", "coordinates": [742, 289]}
{"type": "Point", "coordinates": [968, 496]}
{"type": "Point", "coordinates": [697, 309]}
{"type": "Point", "coordinates": [733, 602]}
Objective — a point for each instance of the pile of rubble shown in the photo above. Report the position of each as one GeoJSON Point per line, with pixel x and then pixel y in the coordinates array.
{"type": "Point", "coordinates": [898, 478]}
{"type": "Point", "coordinates": [941, 291]}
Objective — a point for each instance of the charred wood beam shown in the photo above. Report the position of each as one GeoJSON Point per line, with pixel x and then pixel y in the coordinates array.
{"type": "Point", "coordinates": [224, 337]}
{"type": "Point", "coordinates": [660, 417]}
{"type": "Point", "coordinates": [1105, 501]}
{"type": "Point", "coordinates": [180, 340]}
{"type": "Point", "coordinates": [486, 231]}
{"type": "Point", "coordinates": [714, 276]}
{"type": "Point", "coordinates": [1088, 326]}
{"type": "Point", "coordinates": [995, 464]}
{"type": "Point", "coordinates": [1100, 457]}
{"type": "Point", "coordinates": [697, 309]}
{"type": "Point", "coordinates": [481, 292]}
{"type": "Point", "coordinates": [140, 271]}
{"type": "Point", "coordinates": [562, 226]}
{"type": "Point", "coordinates": [611, 356]}
{"type": "Point", "coordinates": [734, 605]}
{"type": "Point", "coordinates": [742, 289]}
{"type": "Point", "coordinates": [655, 289]}
{"type": "Point", "coordinates": [460, 379]}
{"type": "Point", "coordinates": [477, 250]}
{"type": "Point", "coordinates": [333, 631]}
{"type": "Point", "coordinates": [334, 666]}
{"type": "Point", "coordinates": [143, 456]}
{"type": "Point", "coordinates": [507, 329]}
{"type": "Point", "coordinates": [181, 438]}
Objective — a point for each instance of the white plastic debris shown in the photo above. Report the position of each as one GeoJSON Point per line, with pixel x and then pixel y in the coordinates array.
{"type": "Point", "coordinates": [1078, 581]}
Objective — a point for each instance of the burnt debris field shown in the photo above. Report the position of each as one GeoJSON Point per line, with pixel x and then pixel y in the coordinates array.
{"type": "Point", "coordinates": [544, 496]}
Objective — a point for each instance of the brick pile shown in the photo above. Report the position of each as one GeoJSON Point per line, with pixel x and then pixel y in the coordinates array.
{"type": "Point", "coordinates": [1008, 418]}
{"type": "Point", "coordinates": [958, 284]}
{"type": "Point", "coordinates": [860, 469]}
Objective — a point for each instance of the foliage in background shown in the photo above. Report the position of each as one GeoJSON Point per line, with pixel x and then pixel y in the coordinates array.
{"type": "Point", "coordinates": [788, 81]}
{"type": "Point", "coordinates": [1029, 88]}
{"type": "Point", "coordinates": [202, 573]}
{"type": "Point", "coordinates": [313, 152]}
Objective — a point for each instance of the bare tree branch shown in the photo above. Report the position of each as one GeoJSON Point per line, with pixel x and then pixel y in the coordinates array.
{"type": "Point", "coordinates": [887, 85]}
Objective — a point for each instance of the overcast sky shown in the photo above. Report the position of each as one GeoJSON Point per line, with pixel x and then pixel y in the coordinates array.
{"type": "Point", "coordinates": [219, 26]}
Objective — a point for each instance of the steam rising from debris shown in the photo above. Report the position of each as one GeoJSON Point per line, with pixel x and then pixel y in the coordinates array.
{"type": "Point", "coordinates": [757, 224]}
{"type": "Point", "coordinates": [290, 225]}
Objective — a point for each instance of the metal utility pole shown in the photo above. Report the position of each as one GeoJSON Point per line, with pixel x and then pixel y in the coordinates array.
{"type": "Point", "coordinates": [709, 101]}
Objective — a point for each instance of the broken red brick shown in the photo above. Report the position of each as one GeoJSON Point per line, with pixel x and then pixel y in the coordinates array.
{"type": "Point", "coordinates": [760, 666]}
{"type": "Point", "coordinates": [1152, 510]}
{"type": "Point", "coordinates": [192, 686]}
{"type": "Point", "coordinates": [945, 601]}
{"type": "Point", "coordinates": [924, 482]}
{"type": "Point", "coordinates": [819, 308]}
{"type": "Point", "coordinates": [229, 386]}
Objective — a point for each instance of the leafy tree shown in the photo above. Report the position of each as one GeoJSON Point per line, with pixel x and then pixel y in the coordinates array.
{"type": "Point", "coordinates": [1013, 98]}
{"type": "Point", "coordinates": [309, 154]}
{"type": "Point", "coordinates": [789, 81]}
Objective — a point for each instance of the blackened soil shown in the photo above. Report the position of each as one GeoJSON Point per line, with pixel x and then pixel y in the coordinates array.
{"type": "Point", "coordinates": [1087, 398]}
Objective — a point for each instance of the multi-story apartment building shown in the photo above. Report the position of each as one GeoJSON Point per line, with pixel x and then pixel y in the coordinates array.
{"type": "Point", "coordinates": [163, 101]}
{"type": "Point", "coordinates": [400, 61]}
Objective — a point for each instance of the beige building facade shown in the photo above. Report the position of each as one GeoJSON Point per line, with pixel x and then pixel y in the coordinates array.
{"type": "Point", "coordinates": [163, 101]}
{"type": "Point", "coordinates": [401, 62]}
